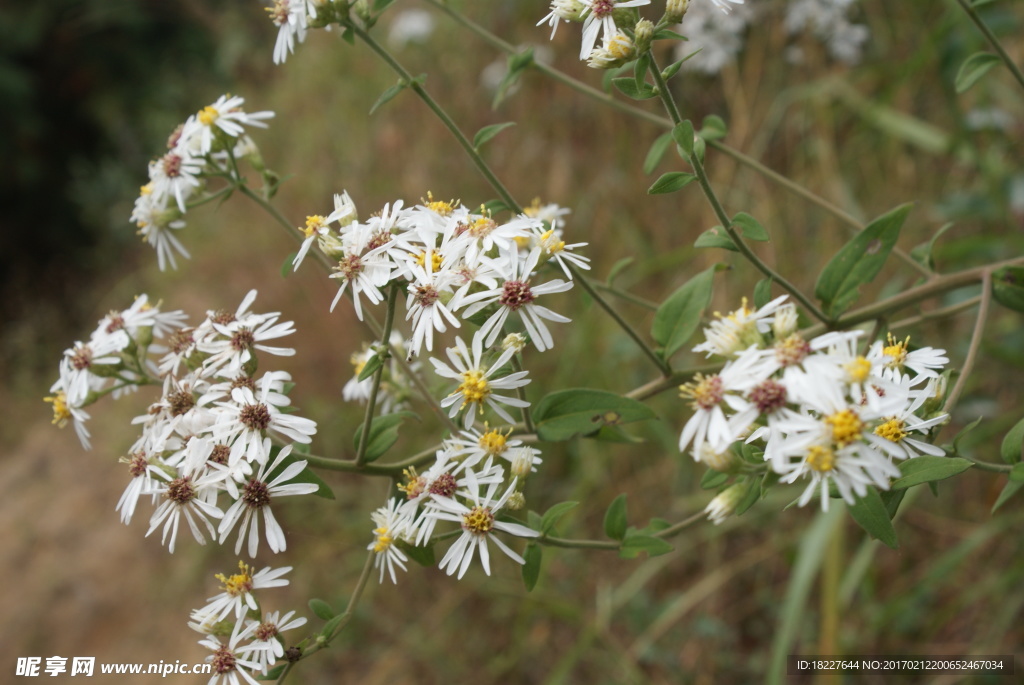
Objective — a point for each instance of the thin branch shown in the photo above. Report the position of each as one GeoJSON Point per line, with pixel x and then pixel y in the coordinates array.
{"type": "Point", "coordinates": [972, 352]}
{"type": "Point", "coordinates": [991, 37]}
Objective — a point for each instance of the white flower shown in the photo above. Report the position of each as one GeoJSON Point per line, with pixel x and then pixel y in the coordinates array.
{"type": "Point", "coordinates": [290, 18]}
{"type": "Point", "coordinates": [391, 522]}
{"type": "Point", "coordinates": [224, 115]}
{"type": "Point", "coordinates": [231, 661]}
{"type": "Point", "coordinates": [896, 358]}
{"type": "Point", "coordinates": [257, 495]}
{"type": "Point", "coordinates": [62, 411]}
{"type": "Point", "coordinates": [365, 264]}
{"type": "Point", "coordinates": [237, 597]}
{"type": "Point", "coordinates": [192, 495]}
{"type": "Point", "coordinates": [426, 308]}
{"type": "Point", "coordinates": [175, 175]}
{"type": "Point", "coordinates": [734, 332]}
{"type": "Point", "coordinates": [599, 21]}
{"type": "Point", "coordinates": [563, 10]}
{"type": "Point", "coordinates": [155, 223]}
{"type": "Point", "coordinates": [142, 483]}
{"type": "Point", "coordinates": [266, 647]}
{"type": "Point", "coordinates": [477, 386]}
{"type": "Point", "coordinates": [707, 393]}
{"type": "Point", "coordinates": [478, 524]}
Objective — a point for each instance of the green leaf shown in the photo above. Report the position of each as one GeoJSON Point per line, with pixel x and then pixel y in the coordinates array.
{"type": "Point", "coordinates": [671, 182]}
{"type": "Point", "coordinates": [678, 317]}
{"type": "Point", "coordinates": [627, 86]}
{"type": "Point", "coordinates": [552, 515]}
{"type": "Point", "coordinates": [566, 413]}
{"type": "Point", "coordinates": [859, 261]}
{"type": "Point", "coordinates": [712, 479]}
{"type": "Point", "coordinates": [615, 434]}
{"type": "Point", "coordinates": [322, 609]}
{"type": "Point", "coordinates": [657, 152]}
{"type": "Point", "coordinates": [1013, 444]}
{"type": "Point", "coordinates": [615, 522]}
{"type": "Point", "coordinates": [531, 566]}
{"type": "Point", "coordinates": [671, 70]}
{"type": "Point", "coordinates": [617, 268]}
{"type": "Point", "coordinates": [516, 65]}
{"type": "Point", "coordinates": [713, 128]}
{"type": "Point", "coordinates": [928, 468]}
{"type": "Point", "coordinates": [870, 512]}
{"type": "Point", "coordinates": [922, 254]}
{"type": "Point", "coordinates": [274, 673]}
{"type": "Point", "coordinates": [716, 236]}
{"type": "Point", "coordinates": [381, 5]}
{"type": "Point", "coordinates": [1017, 473]}
{"type": "Point", "coordinates": [1008, 287]}
{"type": "Point", "coordinates": [750, 228]}
{"type": "Point", "coordinates": [636, 543]}
{"type": "Point", "coordinates": [1009, 491]}
{"type": "Point", "coordinates": [762, 292]}
{"type": "Point", "coordinates": [383, 434]}
{"type": "Point", "coordinates": [749, 498]}
{"type": "Point", "coordinates": [488, 132]}
{"type": "Point", "coordinates": [640, 70]}
{"type": "Point", "coordinates": [663, 34]}
{"type": "Point", "coordinates": [892, 500]}
{"type": "Point", "coordinates": [973, 68]}
{"type": "Point", "coordinates": [682, 133]}
{"type": "Point", "coordinates": [388, 95]}
{"type": "Point", "coordinates": [286, 267]}
{"type": "Point", "coordinates": [371, 366]}
{"type": "Point", "coordinates": [331, 625]}
{"type": "Point", "coordinates": [422, 555]}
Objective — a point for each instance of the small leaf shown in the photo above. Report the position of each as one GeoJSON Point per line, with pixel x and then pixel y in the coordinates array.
{"type": "Point", "coordinates": [1017, 473]}
{"type": "Point", "coordinates": [1008, 287]}
{"type": "Point", "coordinates": [634, 544]}
{"type": "Point", "coordinates": [859, 261]}
{"type": "Point", "coordinates": [663, 34]}
{"type": "Point", "coordinates": [371, 366]}
{"type": "Point", "coordinates": [683, 135]}
{"type": "Point", "coordinates": [488, 132]}
{"type": "Point", "coordinates": [640, 70]}
{"type": "Point", "coordinates": [922, 254]}
{"type": "Point", "coordinates": [552, 515]}
{"type": "Point", "coordinates": [615, 522]}
{"type": "Point", "coordinates": [870, 512]}
{"type": "Point", "coordinates": [516, 65]}
{"type": "Point", "coordinates": [567, 413]}
{"type": "Point", "coordinates": [1013, 444]}
{"type": "Point", "coordinates": [531, 566]}
{"type": "Point", "coordinates": [749, 498]}
{"type": "Point", "coordinates": [973, 68]}
{"type": "Point", "coordinates": [678, 317]}
{"type": "Point", "coordinates": [668, 72]}
{"type": "Point", "coordinates": [716, 236]}
{"type": "Point", "coordinates": [331, 625]}
{"type": "Point", "coordinates": [381, 5]}
{"type": "Point", "coordinates": [274, 673]}
{"type": "Point", "coordinates": [713, 128]}
{"type": "Point", "coordinates": [928, 468]}
{"type": "Point", "coordinates": [383, 434]}
{"type": "Point", "coordinates": [657, 152]}
{"type": "Point", "coordinates": [712, 479]}
{"type": "Point", "coordinates": [286, 267]}
{"type": "Point", "coordinates": [388, 95]}
{"type": "Point", "coordinates": [322, 609]}
{"type": "Point", "coordinates": [762, 292]}
{"type": "Point", "coordinates": [671, 182]}
{"type": "Point", "coordinates": [1009, 491]}
{"type": "Point", "coordinates": [627, 86]}
{"type": "Point", "coordinates": [749, 227]}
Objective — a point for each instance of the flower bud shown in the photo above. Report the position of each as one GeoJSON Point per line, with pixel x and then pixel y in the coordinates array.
{"type": "Point", "coordinates": [614, 53]}
{"type": "Point", "coordinates": [516, 501]}
{"type": "Point", "coordinates": [785, 323]}
{"type": "Point", "coordinates": [724, 504]}
{"type": "Point", "coordinates": [675, 10]}
{"type": "Point", "coordinates": [514, 341]}
{"type": "Point", "coordinates": [723, 462]}
{"type": "Point", "coordinates": [643, 34]}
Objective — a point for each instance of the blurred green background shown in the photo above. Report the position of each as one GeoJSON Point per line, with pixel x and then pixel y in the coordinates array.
{"type": "Point", "coordinates": [90, 91]}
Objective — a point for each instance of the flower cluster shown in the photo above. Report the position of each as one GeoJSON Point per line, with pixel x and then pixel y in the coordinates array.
{"type": "Point", "coordinates": [208, 144]}
{"type": "Point", "coordinates": [210, 432]}
{"type": "Point", "coordinates": [820, 409]}
{"type": "Point", "coordinates": [462, 486]}
{"type": "Point", "coordinates": [244, 639]}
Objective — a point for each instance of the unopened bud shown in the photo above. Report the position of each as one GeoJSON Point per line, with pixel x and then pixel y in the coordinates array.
{"type": "Point", "coordinates": [724, 504]}
{"type": "Point", "coordinates": [675, 10]}
{"type": "Point", "coordinates": [516, 501]}
{"type": "Point", "coordinates": [643, 34]}
{"type": "Point", "coordinates": [616, 51]}
{"type": "Point", "coordinates": [785, 323]}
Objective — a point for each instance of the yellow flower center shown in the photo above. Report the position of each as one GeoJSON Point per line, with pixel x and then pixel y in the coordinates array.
{"type": "Point", "coordinates": [358, 360]}
{"type": "Point", "coordinates": [821, 459]}
{"type": "Point", "coordinates": [474, 387]}
{"type": "Point", "coordinates": [892, 430]}
{"type": "Point", "coordinates": [238, 584]}
{"type": "Point", "coordinates": [705, 391]}
{"type": "Point", "coordinates": [208, 115]}
{"type": "Point", "coordinates": [61, 413]}
{"type": "Point", "coordinates": [146, 189]}
{"type": "Point", "coordinates": [897, 351]}
{"type": "Point", "coordinates": [846, 427]}
{"type": "Point", "coordinates": [415, 484]}
{"type": "Point", "coordinates": [620, 47]}
{"type": "Point", "coordinates": [479, 520]}
{"type": "Point", "coordinates": [313, 225]}
{"type": "Point", "coordinates": [435, 261]}
{"type": "Point", "coordinates": [493, 442]}
{"type": "Point", "coordinates": [384, 539]}
{"type": "Point", "coordinates": [438, 206]}
{"type": "Point", "coordinates": [858, 370]}
{"type": "Point", "coordinates": [551, 243]}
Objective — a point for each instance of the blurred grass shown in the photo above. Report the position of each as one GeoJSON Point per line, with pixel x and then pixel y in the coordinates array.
{"type": "Point", "coordinates": [868, 139]}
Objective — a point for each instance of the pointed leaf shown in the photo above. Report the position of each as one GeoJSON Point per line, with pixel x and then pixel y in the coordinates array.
{"type": "Point", "coordinates": [922, 254]}
{"type": "Point", "coordinates": [552, 515]}
{"type": "Point", "coordinates": [671, 182]}
{"type": "Point", "coordinates": [531, 566]}
{"type": "Point", "coordinates": [657, 152]}
{"type": "Point", "coordinates": [713, 128]}
{"type": "Point", "coordinates": [762, 292]}
{"type": "Point", "coordinates": [1008, 287]}
{"type": "Point", "coordinates": [870, 512]}
{"type": "Point", "coordinates": [388, 95]}
{"type": "Point", "coordinates": [567, 413]}
{"type": "Point", "coordinates": [615, 522]}
{"type": "Point", "coordinates": [627, 86]}
{"type": "Point", "coordinates": [712, 479]}
{"type": "Point", "coordinates": [716, 236]}
{"type": "Point", "coordinates": [370, 367]}
{"type": "Point", "coordinates": [749, 227]}
{"type": "Point", "coordinates": [678, 317]}
{"type": "Point", "coordinates": [1009, 490]}
{"type": "Point", "coordinates": [682, 133]}
{"type": "Point", "coordinates": [973, 68]}
{"type": "Point", "coordinates": [928, 468]}
{"type": "Point", "coordinates": [1013, 444]}
{"type": "Point", "coordinates": [488, 132]}
{"type": "Point", "coordinates": [383, 434]}
{"type": "Point", "coordinates": [322, 609]}
{"type": "Point", "coordinates": [617, 268]}
{"type": "Point", "coordinates": [859, 261]}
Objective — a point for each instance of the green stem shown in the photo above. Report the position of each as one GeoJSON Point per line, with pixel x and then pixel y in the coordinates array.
{"type": "Point", "coordinates": [384, 352]}
{"type": "Point", "coordinates": [716, 205]}
{"type": "Point", "coordinates": [611, 545]}
{"type": "Point", "coordinates": [660, 385]}
{"type": "Point", "coordinates": [938, 314]}
{"type": "Point", "coordinates": [627, 296]}
{"type": "Point", "coordinates": [831, 575]}
{"type": "Point", "coordinates": [517, 366]}
{"type": "Point", "coordinates": [991, 37]}
{"type": "Point", "coordinates": [972, 352]}
{"type": "Point", "coordinates": [987, 465]}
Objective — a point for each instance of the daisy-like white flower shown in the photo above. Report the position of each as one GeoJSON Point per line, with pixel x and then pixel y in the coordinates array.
{"type": "Point", "coordinates": [479, 523]}
{"type": "Point", "coordinates": [62, 412]}
{"type": "Point", "coordinates": [477, 386]}
{"type": "Point", "coordinates": [553, 247]}
{"type": "Point", "coordinates": [142, 483]}
{"type": "Point", "coordinates": [426, 308]}
{"type": "Point", "coordinates": [290, 18]}
{"type": "Point", "coordinates": [472, 446]}
{"type": "Point", "coordinates": [175, 176]}
{"type": "Point", "coordinates": [226, 117]}
{"type": "Point", "coordinates": [365, 265]}
{"type": "Point", "coordinates": [517, 294]}
{"type": "Point", "coordinates": [256, 496]}
{"type": "Point", "coordinates": [232, 350]}
{"type": "Point", "coordinates": [893, 434]}
{"type": "Point", "coordinates": [266, 647]}
{"type": "Point", "coordinates": [316, 228]}
{"type": "Point", "coordinates": [897, 357]}
{"type": "Point", "coordinates": [563, 10]}
{"type": "Point", "coordinates": [599, 21]}
{"type": "Point", "coordinates": [156, 222]}
{"type": "Point", "coordinates": [237, 597]}
{"type": "Point", "coordinates": [391, 522]}
{"type": "Point", "coordinates": [736, 331]}
{"type": "Point", "coordinates": [191, 495]}
{"type": "Point", "coordinates": [233, 663]}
